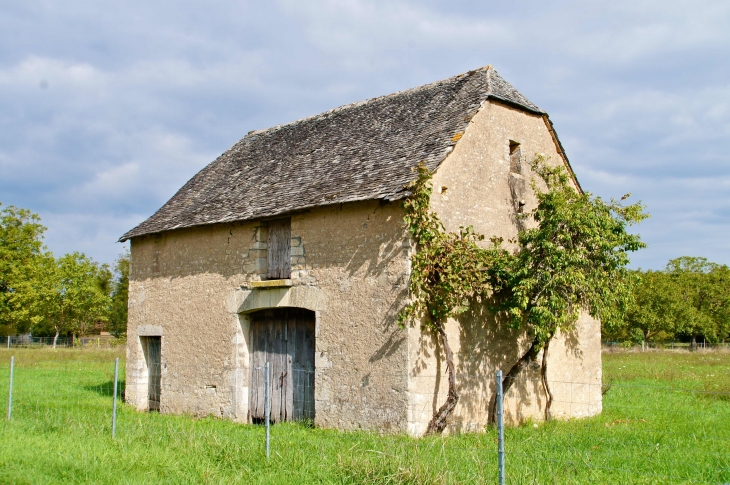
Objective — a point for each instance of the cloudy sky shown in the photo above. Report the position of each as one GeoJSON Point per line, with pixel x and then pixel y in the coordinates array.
{"type": "Point", "coordinates": [107, 108]}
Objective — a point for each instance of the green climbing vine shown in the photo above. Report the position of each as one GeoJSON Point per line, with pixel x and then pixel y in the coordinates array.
{"type": "Point", "coordinates": [571, 258]}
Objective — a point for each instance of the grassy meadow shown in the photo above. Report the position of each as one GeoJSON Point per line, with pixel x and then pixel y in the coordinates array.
{"type": "Point", "coordinates": [666, 419]}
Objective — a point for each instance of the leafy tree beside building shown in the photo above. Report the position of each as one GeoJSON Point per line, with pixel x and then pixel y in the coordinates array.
{"type": "Point", "coordinates": [688, 300]}
{"type": "Point", "coordinates": [651, 315]}
{"type": "Point", "coordinates": [21, 254]}
{"type": "Point", "coordinates": [702, 303]}
{"type": "Point", "coordinates": [70, 297]}
{"type": "Point", "coordinates": [42, 294]}
{"type": "Point", "coordinates": [573, 259]}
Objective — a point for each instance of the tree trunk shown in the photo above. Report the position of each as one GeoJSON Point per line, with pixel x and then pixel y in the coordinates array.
{"type": "Point", "coordinates": [441, 417]}
{"type": "Point", "coordinates": [509, 379]}
{"type": "Point", "coordinates": [546, 385]}
{"type": "Point", "coordinates": [55, 338]}
{"type": "Point", "coordinates": [693, 344]}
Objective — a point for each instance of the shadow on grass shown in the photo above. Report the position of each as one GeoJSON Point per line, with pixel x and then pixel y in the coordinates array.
{"type": "Point", "coordinates": [107, 388]}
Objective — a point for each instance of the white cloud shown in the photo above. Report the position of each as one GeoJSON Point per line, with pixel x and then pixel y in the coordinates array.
{"type": "Point", "coordinates": [161, 163]}
{"type": "Point", "coordinates": [86, 233]}
{"type": "Point", "coordinates": [106, 109]}
{"type": "Point", "coordinates": [362, 34]}
{"type": "Point", "coordinates": [33, 69]}
{"type": "Point", "coordinates": [612, 32]}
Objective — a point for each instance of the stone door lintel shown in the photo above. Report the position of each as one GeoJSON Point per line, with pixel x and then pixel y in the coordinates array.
{"type": "Point", "coordinates": [149, 331]}
{"type": "Point", "coordinates": [309, 297]}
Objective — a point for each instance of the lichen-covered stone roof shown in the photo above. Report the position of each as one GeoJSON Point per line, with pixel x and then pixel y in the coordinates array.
{"type": "Point", "coordinates": [361, 151]}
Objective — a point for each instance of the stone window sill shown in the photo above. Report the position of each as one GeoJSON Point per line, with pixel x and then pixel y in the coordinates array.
{"type": "Point", "coordinates": [270, 283]}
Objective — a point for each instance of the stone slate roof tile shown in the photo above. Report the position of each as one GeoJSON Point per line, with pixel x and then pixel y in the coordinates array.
{"type": "Point", "coordinates": [360, 151]}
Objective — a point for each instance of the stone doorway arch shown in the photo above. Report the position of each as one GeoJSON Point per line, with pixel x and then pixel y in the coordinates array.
{"type": "Point", "coordinates": [282, 308]}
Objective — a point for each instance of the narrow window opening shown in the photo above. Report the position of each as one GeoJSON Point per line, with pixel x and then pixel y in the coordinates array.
{"type": "Point", "coordinates": [278, 250]}
{"type": "Point", "coordinates": [515, 157]}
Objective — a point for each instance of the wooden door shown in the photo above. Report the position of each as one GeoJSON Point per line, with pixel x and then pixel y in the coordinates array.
{"type": "Point", "coordinates": [153, 356]}
{"type": "Point", "coordinates": [278, 250]}
{"type": "Point", "coordinates": [283, 337]}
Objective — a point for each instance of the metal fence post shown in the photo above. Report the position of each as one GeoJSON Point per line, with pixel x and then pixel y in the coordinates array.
{"type": "Point", "coordinates": [8, 342]}
{"type": "Point", "coordinates": [267, 405]}
{"type": "Point", "coordinates": [500, 427]}
{"type": "Point", "coordinates": [10, 392]}
{"type": "Point", "coordinates": [114, 398]}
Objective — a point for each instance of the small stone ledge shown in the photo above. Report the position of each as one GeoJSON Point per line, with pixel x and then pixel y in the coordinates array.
{"type": "Point", "coordinates": [270, 283]}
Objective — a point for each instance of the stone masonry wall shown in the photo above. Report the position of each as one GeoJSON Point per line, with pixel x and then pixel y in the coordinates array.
{"type": "Point", "coordinates": [474, 186]}
{"type": "Point", "coordinates": [190, 285]}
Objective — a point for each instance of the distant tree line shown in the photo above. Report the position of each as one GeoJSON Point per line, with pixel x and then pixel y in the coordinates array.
{"type": "Point", "coordinates": [49, 296]}
{"type": "Point", "coordinates": [688, 301]}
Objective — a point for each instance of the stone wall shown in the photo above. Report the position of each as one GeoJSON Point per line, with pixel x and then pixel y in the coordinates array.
{"type": "Point", "coordinates": [474, 186]}
{"type": "Point", "coordinates": [195, 287]}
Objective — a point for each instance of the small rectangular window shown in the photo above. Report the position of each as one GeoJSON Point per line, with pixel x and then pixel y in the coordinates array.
{"type": "Point", "coordinates": [515, 157]}
{"type": "Point", "coordinates": [278, 250]}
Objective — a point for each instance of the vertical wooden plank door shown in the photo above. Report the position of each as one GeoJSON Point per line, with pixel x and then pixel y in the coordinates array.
{"type": "Point", "coordinates": [278, 250]}
{"type": "Point", "coordinates": [283, 337]}
{"type": "Point", "coordinates": [153, 355]}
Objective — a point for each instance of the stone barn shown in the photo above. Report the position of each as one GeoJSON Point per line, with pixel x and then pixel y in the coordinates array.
{"type": "Point", "coordinates": [290, 248]}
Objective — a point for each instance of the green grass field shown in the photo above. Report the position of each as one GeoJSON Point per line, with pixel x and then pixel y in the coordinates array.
{"type": "Point", "coordinates": [666, 419]}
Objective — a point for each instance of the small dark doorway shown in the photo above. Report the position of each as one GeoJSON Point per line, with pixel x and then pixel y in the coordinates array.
{"type": "Point", "coordinates": [152, 347]}
{"type": "Point", "coordinates": [284, 337]}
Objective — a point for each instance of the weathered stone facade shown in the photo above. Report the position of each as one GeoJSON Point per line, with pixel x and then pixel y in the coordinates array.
{"type": "Point", "coordinates": [196, 286]}
{"type": "Point", "coordinates": [475, 187]}
{"type": "Point", "coordinates": [350, 264]}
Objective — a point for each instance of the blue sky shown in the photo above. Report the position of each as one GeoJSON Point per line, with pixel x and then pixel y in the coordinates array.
{"type": "Point", "coordinates": [107, 108]}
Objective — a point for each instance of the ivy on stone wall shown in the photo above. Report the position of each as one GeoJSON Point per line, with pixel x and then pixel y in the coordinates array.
{"type": "Point", "coordinates": [571, 258]}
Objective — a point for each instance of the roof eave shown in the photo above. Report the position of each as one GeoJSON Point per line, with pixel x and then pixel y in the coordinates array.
{"type": "Point", "coordinates": [512, 104]}
{"type": "Point", "coordinates": [561, 150]}
{"type": "Point", "coordinates": [394, 197]}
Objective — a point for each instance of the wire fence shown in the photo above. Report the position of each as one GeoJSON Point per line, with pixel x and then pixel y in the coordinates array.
{"type": "Point", "coordinates": [644, 430]}
{"type": "Point", "coordinates": [110, 342]}
{"type": "Point", "coordinates": [615, 345]}
{"type": "Point", "coordinates": [63, 393]}
{"type": "Point", "coordinates": [91, 342]}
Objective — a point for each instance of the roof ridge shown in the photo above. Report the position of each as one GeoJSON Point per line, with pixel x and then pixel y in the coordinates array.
{"type": "Point", "coordinates": [488, 73]}
{"type": "Point", "coordinates": [355, 104]}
